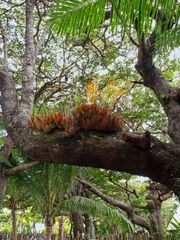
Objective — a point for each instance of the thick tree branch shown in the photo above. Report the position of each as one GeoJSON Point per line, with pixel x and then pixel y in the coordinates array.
{"type": "Point", "coordinates": [106, 152]}
{"type": "Point", "coordinates": [5, 43]}
{"type": "Point", "coordinates": [121, 205]}
{"type": "Point", "coordinates": [8, 95]}
{"type": "Point", "coordinates": [154, 79]}
{"type": "Point", "coordinates": [27, 93]}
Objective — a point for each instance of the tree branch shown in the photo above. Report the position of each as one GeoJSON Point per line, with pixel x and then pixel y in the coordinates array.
{"type": "Point", "coordinates": [5, 43]}
{"type": "Point", "coordinates": [154, 79]}
{"type": "Point", "coordinates": [123, 206]}
{"type": "Point", "coordinates": [27, 93]}
{"type": "Point", "coordinates": [8, 96]}
{"type": "Point", "coordinates": [12, 171]}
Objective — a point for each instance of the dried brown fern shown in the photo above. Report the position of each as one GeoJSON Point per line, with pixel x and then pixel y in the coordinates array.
{"type": "Point", "coordinates": [88, 117]}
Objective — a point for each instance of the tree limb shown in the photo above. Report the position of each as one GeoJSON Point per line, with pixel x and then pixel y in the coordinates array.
{"type": "Point", "coordinates": [5, 43]}
{"type": "Point", "coordinates": [154, 79]}
{"type": "Point", "coordinates": [27, 93]}
{"type": "Point", "coordinates": [12, 171]}
{"type": "Point", "coordinates": [121, 205]}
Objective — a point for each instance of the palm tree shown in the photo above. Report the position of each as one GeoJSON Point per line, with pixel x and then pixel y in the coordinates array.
{"type": "Point", "coordinates": [15, 199]}
{"type": "Point", "coordinates": [48, 185]}
{"type": "Point", "coordinates": [79, 17]}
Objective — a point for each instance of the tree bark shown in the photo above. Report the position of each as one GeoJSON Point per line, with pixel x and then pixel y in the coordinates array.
{"type": "Point", "coordinates": [89, 226]}
{"type": "Point", "coordinates": [49, 223]}
{"type": "Point", "coordinates": [2, 185]}
{"type": "Point", "coordinates": [153, 78]}
{"type": "Point", "coordinates": [78, 224]}
{"type": "Point", "coordinates": [132, 216]}
{"type": "Point", "coordinates": [157, 194]}
{"type": "Point", "coordinates": [4, 155]}
{"type": "Point", "coordinates": [14, 222]}
{"type": "Point", "coordinates": [61, 228]}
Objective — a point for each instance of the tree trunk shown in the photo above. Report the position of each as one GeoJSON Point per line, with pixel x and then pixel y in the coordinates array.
{"type": "Point", "coordinates": [2, 185]}
{"type": "Point", "coordinates": [78, 224]}
{"type": "Point", "coordinates": [154, 207]}
{"type": "Point", "coordinates": [90, 230]}
{"type": "Point", "coordinates": [4, 155]}
{"type": "Point", "coordinates": [14, 222]}
{"type": "Point", "coordinates": [61, 228]}
{"type": "Point", "coordinates": [49, 223]}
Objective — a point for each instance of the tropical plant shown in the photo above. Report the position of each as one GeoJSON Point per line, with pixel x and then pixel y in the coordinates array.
{"type": "Point", "coordinates": [49, 185]}
{"type": "Point", "coordinates": [82, 17]}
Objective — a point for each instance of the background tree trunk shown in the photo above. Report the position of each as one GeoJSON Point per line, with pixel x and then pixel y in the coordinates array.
{"type": "Point", "coordinates": [156, 197]}
{"type": "Point", "coordinates": [49, 223]}
{"type": "Point", "coordinates": [90, 229]}
{"type": "Point", "coordinates": [14, 220]}
{"type": "Point", "coordinates": [78, 224]}
{"type": "Point", "coordinates": [61, 228]}
{"type": "Point", "coordinates": [2, 185]}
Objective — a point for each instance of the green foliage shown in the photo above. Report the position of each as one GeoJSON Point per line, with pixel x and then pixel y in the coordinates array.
{"type": "Point", "coordinates": [98, 209]}
{"type": "Point", "coordinates": [78, 17]}
{"type": "Point", "coordinates": [48, 185]}
{"type": "Point", "coordinates": [5, 223]}
{"type": "Point", "coordinates": [83, 16]}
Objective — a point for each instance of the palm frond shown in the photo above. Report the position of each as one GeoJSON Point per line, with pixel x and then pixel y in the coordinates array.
{"type": "Point", "coordinates": [171, 40]}
{"type": "Point", "coordinates": [49, 183]}
{"type": "Point", "coordinates": [78, 17]}
{"type": "Point", "coordinates": [95, 208]}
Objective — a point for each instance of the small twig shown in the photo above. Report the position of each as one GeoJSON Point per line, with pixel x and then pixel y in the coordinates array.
{"type": "Point", "coordinates": [14, 6]}
{"type": "Point", "coordinates": [137, 82]}
{"type": "Point", "coordinates": [133, 41]}
{"type": "Point", "coordinates": [124, 188]}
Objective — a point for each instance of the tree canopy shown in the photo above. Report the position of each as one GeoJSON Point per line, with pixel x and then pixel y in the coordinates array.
{"type": "Point", "coordinates": [25, 75]}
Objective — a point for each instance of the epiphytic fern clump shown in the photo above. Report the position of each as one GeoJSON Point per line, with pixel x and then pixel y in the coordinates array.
{"type": "Point", "coordinates": [91, 117]}
{"type": "Point", "coordinates": [88, 117]}
{"type": "Point", "coordinates": [48, 122]}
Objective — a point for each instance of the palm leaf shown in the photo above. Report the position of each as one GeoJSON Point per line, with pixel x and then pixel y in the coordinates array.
{"type": "Point", "coordinates": [48, 184]}
{"type": "Point", "coordinates": [78, 17]}
{"type": "Point", "coordinates": [96, 208]}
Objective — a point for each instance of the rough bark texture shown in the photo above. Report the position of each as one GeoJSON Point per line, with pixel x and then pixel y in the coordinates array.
{"type": "Point", "coordinates": [89, 225]}
{"type": "Point", "coordinates": [154, 79]}
{"type": "Point", "coordinates": [61, 227]}
{"type": "Point", "coordinates": [14, 222]}
{"type": "Point", "coordinates": [2, 185]}
{"type": "Point", "coordinates": [27, 96]}
{"type": "Point", "coordinates": [49, 223]}
{"type": "Point", "coordinates": [4, 155]}
{"type": "Point", "coordinates": [78, 224]}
